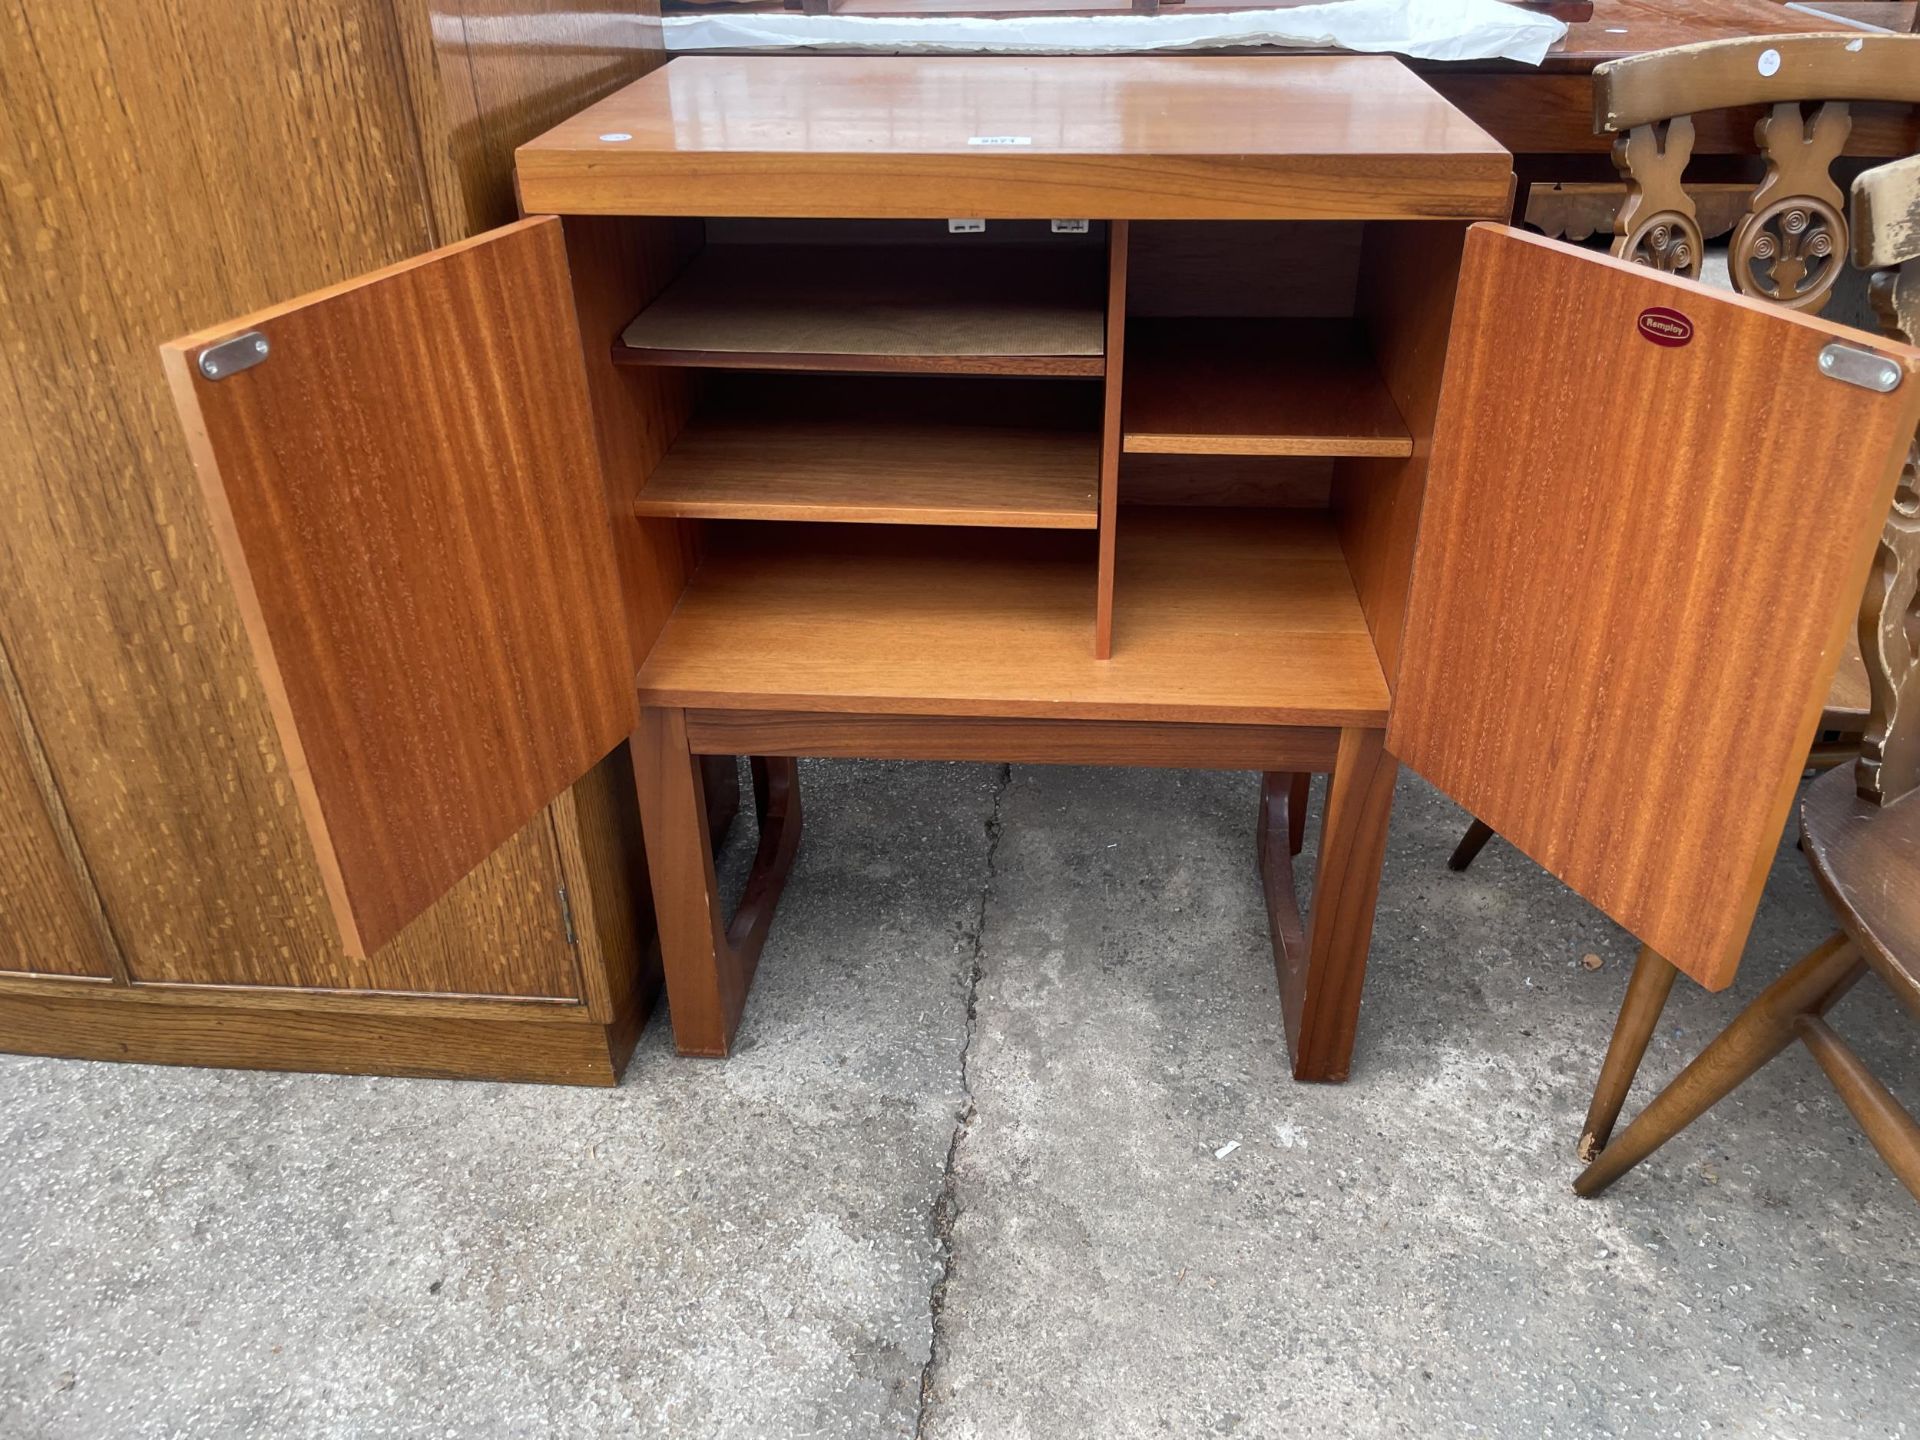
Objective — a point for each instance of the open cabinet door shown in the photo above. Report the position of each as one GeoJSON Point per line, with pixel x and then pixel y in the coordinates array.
{"type": "Point", "coordinates": [403, 477]}
{"type": "Point", "coordinates": [1648, 520]}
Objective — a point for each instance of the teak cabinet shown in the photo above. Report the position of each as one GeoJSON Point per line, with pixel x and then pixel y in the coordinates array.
{"type": "Point", "coordinates": [1230, 440]}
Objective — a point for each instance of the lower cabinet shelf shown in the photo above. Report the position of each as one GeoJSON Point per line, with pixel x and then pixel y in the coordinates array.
{"type": "Point", "coordinates": [1220, 615]}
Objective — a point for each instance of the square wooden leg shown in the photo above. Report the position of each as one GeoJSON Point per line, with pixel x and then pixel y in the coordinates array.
{"type": "Point", "coordinates": [708, 964]}
{"type": "Point", "coordinates": [1322, 963]}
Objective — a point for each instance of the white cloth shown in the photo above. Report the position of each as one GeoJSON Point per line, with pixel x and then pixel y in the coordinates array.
{"type": "Point", "coordinates": [1421, 29]}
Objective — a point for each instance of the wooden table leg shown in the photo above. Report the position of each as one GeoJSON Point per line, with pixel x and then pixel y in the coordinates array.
{"type": "Point", "coordinates": [708, 964]}
{"type": "Point", "coordinates": [1321, 965]}
{"type": "Point", "coordinates": [720, 775]}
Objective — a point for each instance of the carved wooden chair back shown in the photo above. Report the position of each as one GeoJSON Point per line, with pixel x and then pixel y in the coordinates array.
{"type": "Point", "coordinates": [1886, 217]}
{"type": "Point", "coordinates": [1791, 244]}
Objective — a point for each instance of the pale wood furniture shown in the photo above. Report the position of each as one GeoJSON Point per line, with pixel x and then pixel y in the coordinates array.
{"type": "Point", "coordinates": [1788, 249]}
{"type": "Point", "coordinates": [865, 597]}
{"type": "Point", "coordinates": [1860, 825]}
{"type": "Point", "coordinates": [160, 899]}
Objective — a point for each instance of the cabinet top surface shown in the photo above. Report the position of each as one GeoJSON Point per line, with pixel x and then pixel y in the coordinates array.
{"type": "Point", "coordinates": [1154, 136]}
{"type": "Point", "coordinates": [1335, 105]}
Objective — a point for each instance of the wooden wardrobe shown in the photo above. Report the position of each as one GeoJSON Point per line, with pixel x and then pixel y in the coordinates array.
{"type": "Point", "coordinates": [165, 165]}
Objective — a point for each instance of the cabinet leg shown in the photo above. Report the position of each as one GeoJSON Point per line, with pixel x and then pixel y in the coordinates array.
{"type": "Point", "coordinates": [1297, 798]}
{"type": "Point", "coordinates": [720, 774]}
{"type": "Point", "coordinates": [708, 964]}
{"type": "Point", "coordinates": [1321, 965]}
{"type": "Point", "coordinates": [1647, 991]}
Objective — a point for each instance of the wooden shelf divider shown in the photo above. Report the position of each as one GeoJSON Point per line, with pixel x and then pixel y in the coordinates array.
{"type": "Point", "coordinates": [1257, 387]}
{"type": "Point", "coordinates": [1009, 310]}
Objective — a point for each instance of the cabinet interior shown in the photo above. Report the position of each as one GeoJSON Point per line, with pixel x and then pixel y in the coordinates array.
{"type": "Point", "coordinates": [860, 461]}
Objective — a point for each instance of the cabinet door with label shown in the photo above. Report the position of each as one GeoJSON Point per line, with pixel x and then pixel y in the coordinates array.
{"type": "Point", "coordinates": [404, 479]}
{"type": "Point", "coordinates": [1647, 525]}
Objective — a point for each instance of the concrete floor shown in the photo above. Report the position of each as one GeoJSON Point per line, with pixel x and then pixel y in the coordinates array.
{"type": "Point", "coordinates": [965, 1179]}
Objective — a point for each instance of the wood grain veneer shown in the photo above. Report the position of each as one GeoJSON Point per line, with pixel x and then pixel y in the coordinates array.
{"type": "Point", "coordinates": [1112, 402]}
{"type": "Point", "coordinates": [1020, 742]}
{"type": "Point", "coordinates": [1221, 616]}
{"type": "Point", "coordinates": [138, 139]}
{"type": "Point", "coordinates": [1407, 298]}
{"type": "Point", "coordinates": [876, 472]}
{"type": "Point", "coordinates": [1566, 523]}
{"type": "Point", "coordinates": [413, 513]}
{"type": "Point", "coordinates": [999, 310]}
{"type": "Point", "coordinates": [1149, 137]}
{"type": "Point", "coordinates": [116, 1026]}
{"type": "Point", "coordinates": [1257, 387]}
{"type": "Point", "coordinates": [1232, 480]}
{"type": "Point", "coordinates": [45, 923]}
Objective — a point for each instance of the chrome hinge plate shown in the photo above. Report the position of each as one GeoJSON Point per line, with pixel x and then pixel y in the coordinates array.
{"type": "Point", "coordinates": [566, 915]}
{"type": "Point", "coordinates": [230, 357]}
{"type": "Point", "coordinates": [1857, 366]}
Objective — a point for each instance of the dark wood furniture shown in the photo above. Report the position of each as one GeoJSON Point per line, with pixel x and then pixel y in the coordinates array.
{"type": "Point", "coordinates": [863, 596]}
{"type": "Point", "coordinates": [1545, 116]}
{"type": "Point", "coordinates": [1860, 825]}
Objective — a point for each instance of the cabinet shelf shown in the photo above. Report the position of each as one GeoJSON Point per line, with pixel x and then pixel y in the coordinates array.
{"type": "Point", "coordinates": [885, 472]}
{"type": "Point", "coordinates": [1231, 616]}
{"type": "Point", "coordinates": [1256, 387]}
{"type": "Point", "coordinates": [920, 309]}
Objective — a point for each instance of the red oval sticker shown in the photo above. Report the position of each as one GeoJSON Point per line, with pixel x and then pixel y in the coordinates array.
{"type": "Point", "coordinates": [1665, 327]}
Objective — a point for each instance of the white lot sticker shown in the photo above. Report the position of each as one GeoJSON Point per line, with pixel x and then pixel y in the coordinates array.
{"type": "Point", "coordinates": [1769, 62]}
{"type": "Point", "coordinates": [965, 227]}
{"type": "Point", "coordinates": [1000, 140]}
{"type": "Point", "coordinates": [1069, 227]}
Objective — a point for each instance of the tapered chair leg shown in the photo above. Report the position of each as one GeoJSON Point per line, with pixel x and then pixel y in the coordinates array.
{"type": "Point", "coordinates": [1471, 844]}
{"type": "Point", "coordinates": [1647, 992]}
{"type": "Point", "coordinates": [1892, 1130]}
{"type": "Point", "coordinates": [1758, 1034]}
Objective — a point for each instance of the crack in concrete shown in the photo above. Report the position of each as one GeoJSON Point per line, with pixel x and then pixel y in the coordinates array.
{"type": "Point", "coordinates": [947, 1208]}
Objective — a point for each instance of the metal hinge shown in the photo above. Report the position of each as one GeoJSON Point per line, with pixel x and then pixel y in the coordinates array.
{"type": "Point", "coordinates": [566, 915]}
{"type": "Point", "coordinates": [230, 357]}
{"type": "Point", "coordinates": [1857, 366]}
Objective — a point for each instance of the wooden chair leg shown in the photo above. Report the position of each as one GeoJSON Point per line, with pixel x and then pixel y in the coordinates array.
{"type": "Point", "coordinates": [1321, 964]}
{"type": "Point", "coordinates": [1757, 1034]}
{"type": "Point", "coordinates": [1647, 992]}
{"type": "Point", "coordinates": [1471, 844]}
{"type": "Point", "coordinates": [708, 964]}
{"type": "Point", "coordinates": [1892, 1130]}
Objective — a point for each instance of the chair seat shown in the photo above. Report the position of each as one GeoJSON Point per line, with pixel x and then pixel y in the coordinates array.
{"type": "Point", "coordinates": [1866, 858]}
{"type": "Point", "coordinates": [1848, 698]}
